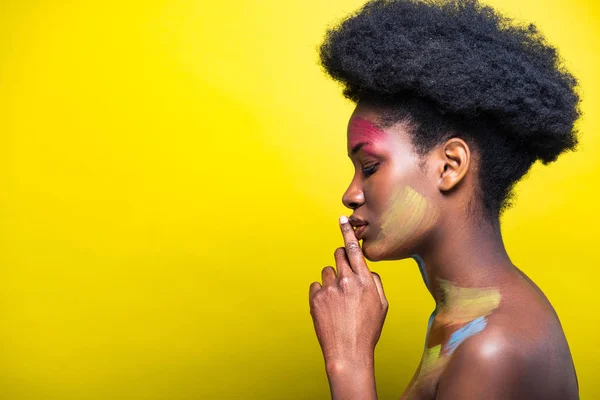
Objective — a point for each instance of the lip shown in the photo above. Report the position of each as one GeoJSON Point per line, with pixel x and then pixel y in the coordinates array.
{"type": "Point", "coordinates": [356, 222]}
{"type": "Point", "coordinates": [359, 231]}
{"type": "Point", "coordinates": [359, 226]}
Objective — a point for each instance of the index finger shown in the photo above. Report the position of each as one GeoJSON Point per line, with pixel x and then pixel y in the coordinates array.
{"type": "Point", "coordinates": [353, 250]}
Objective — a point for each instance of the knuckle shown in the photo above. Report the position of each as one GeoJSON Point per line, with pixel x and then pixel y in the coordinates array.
{"type": "Point", "coordinates": [328, 293]}
{"type": "Point", "coordinates": [329, 290]}
{"type": "Point", "coordinates": [346, 282]}
{"type": "Point", "coordinates": [317, 299]}
{"type": "Point", "coordinates": [385, 309]}
{"type": "Point", "coordinates": [353, 246]}
{"type": "Point", "coordinates": [339, 251]}
{"type": "Point", "coordinates": [366, 282]}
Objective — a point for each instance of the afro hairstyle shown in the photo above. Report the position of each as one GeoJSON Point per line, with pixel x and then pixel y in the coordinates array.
{"type": "Point", "coordinates": [458, 68]}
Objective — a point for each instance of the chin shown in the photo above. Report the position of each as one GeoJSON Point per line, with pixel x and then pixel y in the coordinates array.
{"type": "Point", "coordinates": [371, 255]}
{"type": "Point", "coordinates": [374, 251]}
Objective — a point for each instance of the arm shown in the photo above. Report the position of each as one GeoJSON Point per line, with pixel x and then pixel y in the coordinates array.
{"type": "Point", "coordinates": [352, 380]}
{"type": "Point", "coordinates": [487, 367]}
{"type": "Point", "coordinates": [348, 312]}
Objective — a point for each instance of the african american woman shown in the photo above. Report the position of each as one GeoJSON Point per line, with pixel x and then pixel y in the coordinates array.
{"type": "Point", "coordinates": [454, 103]}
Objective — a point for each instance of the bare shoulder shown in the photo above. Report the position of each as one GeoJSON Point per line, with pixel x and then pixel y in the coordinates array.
{"type": "Point", "coordinates": [485, 364]}
{"type": "Point", "coordinates": [521, 354]}
{"type": "Point", "coordinates": [495, 365]}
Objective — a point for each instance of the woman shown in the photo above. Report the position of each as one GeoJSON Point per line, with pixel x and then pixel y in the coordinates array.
{"type": "Point", "coordinates": [454, 103]}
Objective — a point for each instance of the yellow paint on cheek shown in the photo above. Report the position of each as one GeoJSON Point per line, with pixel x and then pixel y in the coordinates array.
{"type": "Point", "coordinates": [408, 212]}
{"type": "Point", "coordinates": [460, 305]}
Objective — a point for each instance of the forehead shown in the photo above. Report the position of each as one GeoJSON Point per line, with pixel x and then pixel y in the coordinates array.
{"type": "Point", "coordinates": [363, 128]}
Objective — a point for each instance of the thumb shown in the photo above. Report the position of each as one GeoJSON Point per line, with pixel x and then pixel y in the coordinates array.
{"type": "Point", "coordinates": [379, 286]}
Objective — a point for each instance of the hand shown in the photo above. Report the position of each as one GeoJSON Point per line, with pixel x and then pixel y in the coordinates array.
{"type": "Point", "coordinates": [349, 309]}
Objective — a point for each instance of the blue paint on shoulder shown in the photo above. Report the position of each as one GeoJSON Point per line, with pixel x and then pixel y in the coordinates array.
{"type": "Point", "coordinates": [462, 334]}
{"type": "Point", "coordinates": [421, 264]}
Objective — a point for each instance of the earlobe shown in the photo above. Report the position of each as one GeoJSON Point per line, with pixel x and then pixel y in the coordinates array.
{"type": "Point", "coordinates": [456, 158]}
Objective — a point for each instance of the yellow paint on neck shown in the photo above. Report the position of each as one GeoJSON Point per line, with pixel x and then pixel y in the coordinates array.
{"type": "Point", "coordinates": [431, 364]}
{"type": "Point", "coordinates": [460, 304]}
{"type": "Point", "coordinates": [430, 356]}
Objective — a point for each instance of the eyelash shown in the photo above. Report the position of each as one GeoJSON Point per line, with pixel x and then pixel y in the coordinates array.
{"type": "Point", "coordinates": [368, 171]}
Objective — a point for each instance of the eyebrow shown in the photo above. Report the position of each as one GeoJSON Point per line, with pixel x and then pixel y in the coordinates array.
{"type": "Point", "coordinates": [357, 147]}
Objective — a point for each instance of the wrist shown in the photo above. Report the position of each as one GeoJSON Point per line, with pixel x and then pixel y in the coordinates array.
{"type": "Point", "coordinates": [350, 366]}
{"type": "Point", "coordinates": [352, 379]}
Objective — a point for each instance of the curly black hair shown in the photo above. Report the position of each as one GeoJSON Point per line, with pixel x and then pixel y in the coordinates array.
{"type": "Point", "coordinates": [459, 68]}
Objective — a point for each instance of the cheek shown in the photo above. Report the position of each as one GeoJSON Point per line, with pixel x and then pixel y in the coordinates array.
{"type": "Point", "coordinates": [379, 194]}
{"type": "Point", "coordinates": [407, 213]}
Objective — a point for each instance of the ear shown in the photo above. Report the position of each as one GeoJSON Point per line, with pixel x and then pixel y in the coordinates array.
{"type": "Point", "coordinates": [455, 158]}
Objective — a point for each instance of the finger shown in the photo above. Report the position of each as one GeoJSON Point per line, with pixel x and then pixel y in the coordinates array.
{"type": "Point", "coordinates": [342, 263]}
{"type": "Point", "coordinates": [353, 250]}
{"type": "Point", "coordinates": [379, 285]}
{"type": "Point", "coordinates": [328, 275]}
{"type": "Point", "coordinates": [313, 289]}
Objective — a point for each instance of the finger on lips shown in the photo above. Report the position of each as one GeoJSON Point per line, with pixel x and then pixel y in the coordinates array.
{"type": "Point", "coordinates": [353, 250]}
{"type": "Point", "coordinates": [348, 259]}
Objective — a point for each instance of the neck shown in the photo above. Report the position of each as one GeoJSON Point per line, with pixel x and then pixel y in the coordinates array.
{"type": "Point", "coordinates": [477, 261]}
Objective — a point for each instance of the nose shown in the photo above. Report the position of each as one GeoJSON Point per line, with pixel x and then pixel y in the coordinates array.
{"type": "Point", "coordinates": [353, 196]}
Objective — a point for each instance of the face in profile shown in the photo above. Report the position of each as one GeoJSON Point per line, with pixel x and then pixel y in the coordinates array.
{"type": "Point", "coordinates": [392, 203]}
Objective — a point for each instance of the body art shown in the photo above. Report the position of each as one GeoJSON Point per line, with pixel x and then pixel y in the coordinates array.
{"type": "Point", "coordinates": [421, 264]}
{"type": "Point", "coordinates": [363, 133]}
{"type": "Point", "coordinates": [466, 308]}
{"type": "Point", "coordinates": [462, 334]}
{"type": "Point", "coordinates": [461, 305]}
{"type": "Point", "coordinates": [408, 211]}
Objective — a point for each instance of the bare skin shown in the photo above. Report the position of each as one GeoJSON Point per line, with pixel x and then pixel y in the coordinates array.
{"type": "Point", "coordinates": [494, 335]}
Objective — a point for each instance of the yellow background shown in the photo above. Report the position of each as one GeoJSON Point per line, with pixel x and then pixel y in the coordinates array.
{"type": "Point", "coordinates": [171, 177]}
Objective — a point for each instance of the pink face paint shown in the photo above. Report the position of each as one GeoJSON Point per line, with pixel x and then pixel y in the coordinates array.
{"type": "Point", "coordinates": [363, 131]}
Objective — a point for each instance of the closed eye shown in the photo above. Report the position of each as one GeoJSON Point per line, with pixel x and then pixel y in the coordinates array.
{"type": "Point", "coordinates": [370, 170]}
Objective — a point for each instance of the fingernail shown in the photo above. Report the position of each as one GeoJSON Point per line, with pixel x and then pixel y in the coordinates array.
{"type": "Point", "coordinates": [343, 219]}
